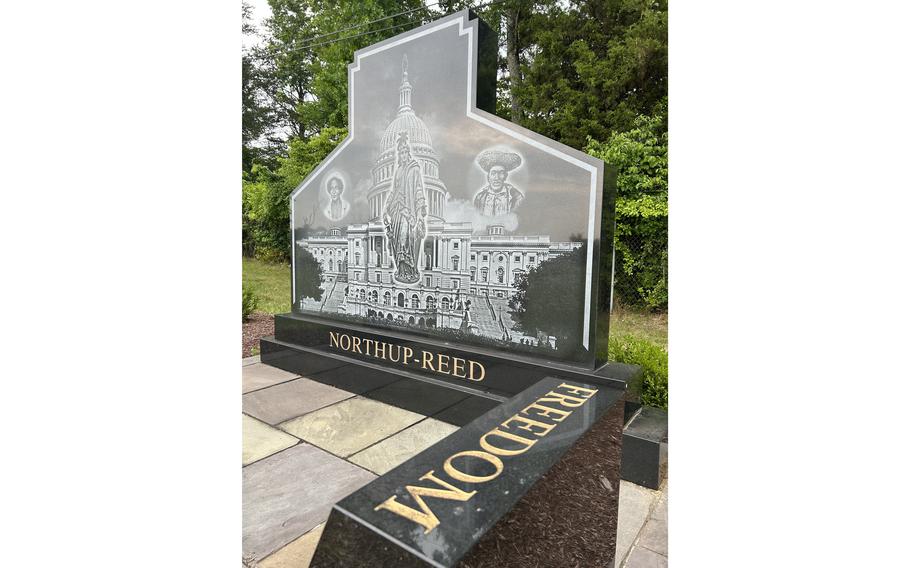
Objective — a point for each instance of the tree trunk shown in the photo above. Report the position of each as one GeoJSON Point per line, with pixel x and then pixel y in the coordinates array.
{"type": "Point", "coordinates": [512, 16]}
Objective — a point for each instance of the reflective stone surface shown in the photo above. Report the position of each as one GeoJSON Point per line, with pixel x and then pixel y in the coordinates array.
{"type": "Point", "coordinates": [350, 425]}
{"type": "Point", "coordinates": [395, 539]}
{"type": "Point", "coordinates": [303, 343]}
{"type": "Point", "coordinates": [261, 440]}
{"type": "Point", "coordinates": [291, 399]}
{"type": "Point", "coordinates": [433, 214]}
{"type": "Point", "coordinates": [258, 376]}
{"type": "Point", "coordinates": [393, 451]}
{"type": "Point", "coordinates": [418, 396]}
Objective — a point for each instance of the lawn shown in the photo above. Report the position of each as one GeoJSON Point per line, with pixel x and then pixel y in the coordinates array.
{"type": "Point", "coordinates": [270, 283]}
{"type": "Point", "coordinates": [643, 325]}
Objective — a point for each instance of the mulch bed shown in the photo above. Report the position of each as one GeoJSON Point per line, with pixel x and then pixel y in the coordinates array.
{"type": "Point", "coordinates": [568, 518]}
{"type": "Point", "coordinates": [258, 326]}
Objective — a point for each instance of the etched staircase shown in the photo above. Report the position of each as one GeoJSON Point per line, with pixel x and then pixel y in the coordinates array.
{"type": "Point", "coordinates": [483, 317]}
{"type": "Point", "coordinates": [332, 299]}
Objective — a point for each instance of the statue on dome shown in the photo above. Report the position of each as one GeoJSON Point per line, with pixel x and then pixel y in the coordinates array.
{"type": "Point", "coordinates": [405, 214]}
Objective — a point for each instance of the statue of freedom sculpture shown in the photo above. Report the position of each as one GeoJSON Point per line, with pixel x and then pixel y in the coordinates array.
{"type": "Point", "coordinates": [405, 214]}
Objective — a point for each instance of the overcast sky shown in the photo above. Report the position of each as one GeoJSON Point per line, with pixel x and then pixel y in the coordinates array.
{"type": "Point", "coordinates": [261, 11]}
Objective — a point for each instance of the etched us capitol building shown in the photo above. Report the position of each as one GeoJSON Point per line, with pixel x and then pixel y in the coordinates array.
{"type": "Point", "coordinates": [466, 280]}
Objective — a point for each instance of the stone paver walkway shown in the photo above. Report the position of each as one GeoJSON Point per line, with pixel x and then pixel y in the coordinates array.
{"type": "Point", "coordinates": [642, 538]}
{"type": "Point", "coordinates": [307, 445]}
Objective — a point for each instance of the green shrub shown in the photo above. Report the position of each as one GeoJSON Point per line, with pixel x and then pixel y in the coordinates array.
{"type": "Point", "coordinates": [250, 302]}
{"type": "Point", "coordinates": [640, 157]}
{"type": "Point", "coordinates": [653, 360]}
{"type": "Point", "coordinates": [266, 195]}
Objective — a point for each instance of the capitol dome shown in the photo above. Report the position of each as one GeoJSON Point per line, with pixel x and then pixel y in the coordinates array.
{"type": "Point", "coordinates": [418, 133]}
{"type": "Point", "coordinates": [421, 149]}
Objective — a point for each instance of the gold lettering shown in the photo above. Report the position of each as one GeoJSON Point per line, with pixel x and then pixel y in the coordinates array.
{"type": "Point", "coordinates": [544, 428]}
{"type": "Point", "coordinates": [483, 371]}
{"type": "Point", "coordinates": [563, 399]}
{"type": "Point", "coordinates": [577, 390]}
{"type": "Point", "coordinates": [456, 361]}
{"type": "Point", "coordinates": [440, 363]}
{"type": "Point", "coordinates": [366, 345]}
{"type": "Point", "coordinates": [341, 342]}
{"type": "Point", "coordinates": [468, 478]}
{"type": "Point", "coordinates": [508, 436]}
{"type": "Point", "coordinates": [427, 519]}
{"type": "Point", "coordinates": [397, 357]}
{"type": "Point", "coordinates": [380, 349]}
{"type": "Point", "coordinates": [428, 361]}
{"type": "Point", "coordinates": [333, 339]}
{"type": "Point", "coordinates": [546, 411]}
{"type": "Point", "coordinates": [356, 346]}
{"type": "Point", "coordinates": [408, 353]}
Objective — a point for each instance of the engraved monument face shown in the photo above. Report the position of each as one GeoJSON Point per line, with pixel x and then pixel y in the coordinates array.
{"type": "Point", "coordinates": [437, 218]}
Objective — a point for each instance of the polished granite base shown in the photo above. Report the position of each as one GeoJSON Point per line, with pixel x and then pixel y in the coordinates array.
{"type": "Point", "coordinates": [310, 346]}
{"type": "Point", "coordinates": [645, 448]}
{"type": "Point", "coordinates": [553, 467]}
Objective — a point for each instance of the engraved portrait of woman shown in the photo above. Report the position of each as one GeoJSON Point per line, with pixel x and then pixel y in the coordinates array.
{"type": "Point", "coordinates": [337, 207]}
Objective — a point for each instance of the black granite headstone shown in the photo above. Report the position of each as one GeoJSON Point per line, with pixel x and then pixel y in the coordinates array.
{"type": "Point", "coordinates": [442, 247]}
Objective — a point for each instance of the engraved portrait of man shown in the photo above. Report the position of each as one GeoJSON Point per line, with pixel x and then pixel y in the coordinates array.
{"type": "Point", "coordinates": [337, 207]}
{"type": "Point", "coordinates": [405, 213]}
{"type": "Point", "coordinates": [497, 197]}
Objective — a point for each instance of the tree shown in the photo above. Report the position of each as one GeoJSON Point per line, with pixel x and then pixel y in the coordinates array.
{"type": "Point", "coordinates": [329, 105]}
{"type": "Point", "coordinates": [266, 194]}
{"type": "Point", "coordinates": [640, 155]}
{"type": "Point", "coordinates": [309, 44]}
{"type": "Point", "coordinates": [550, 298]}
{"type": "Point", "coordinates": [287, 66]}
{"type": "Point", "coordinates": [309, 276]}
{"type": "Point", "coordinates": [257, 118]}
{"type": "Point", "coordinates": [592, 66]}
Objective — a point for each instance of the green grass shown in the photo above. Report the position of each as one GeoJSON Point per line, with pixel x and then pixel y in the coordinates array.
{"type": "Point", "coordinates": [640, 338]}
{"type": "Point", "coordinates": [647, 326]}
{"type": "Point", "coordinates": [271, 283]}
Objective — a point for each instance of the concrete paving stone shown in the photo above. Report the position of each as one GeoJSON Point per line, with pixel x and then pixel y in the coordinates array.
{"type": "Point", "coordinates": [660, 510]}
{"type": "Point", "coordinates": [644, 558]}
{"type": "Point", "coordinates": [635, 504]}
{"type": "Point", "coordinates": [296, 554]}
{"type": "Point", "coordinates": [350, 425]}
{"type": "Point", "coordinates": [354, 378]}
{"type": "Point", "coordinates": [288, 494]}
{"type": "Point", "coordinates": [291, 399]}
{"type": "Point", "coordinates": [417, 396]}
{"type": "Point", "coordinates": [467, 410]}
{"type": "Point", "coordinates": [395, 450]}
{"type": "Point", "coordinates": [654, 536]}
{"type": "Point", "coordinates": [259, 375]}
{"type": "Point", "coordinates": [261, 440]}
{"type": "Point", "coordinates": [250, 360]}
